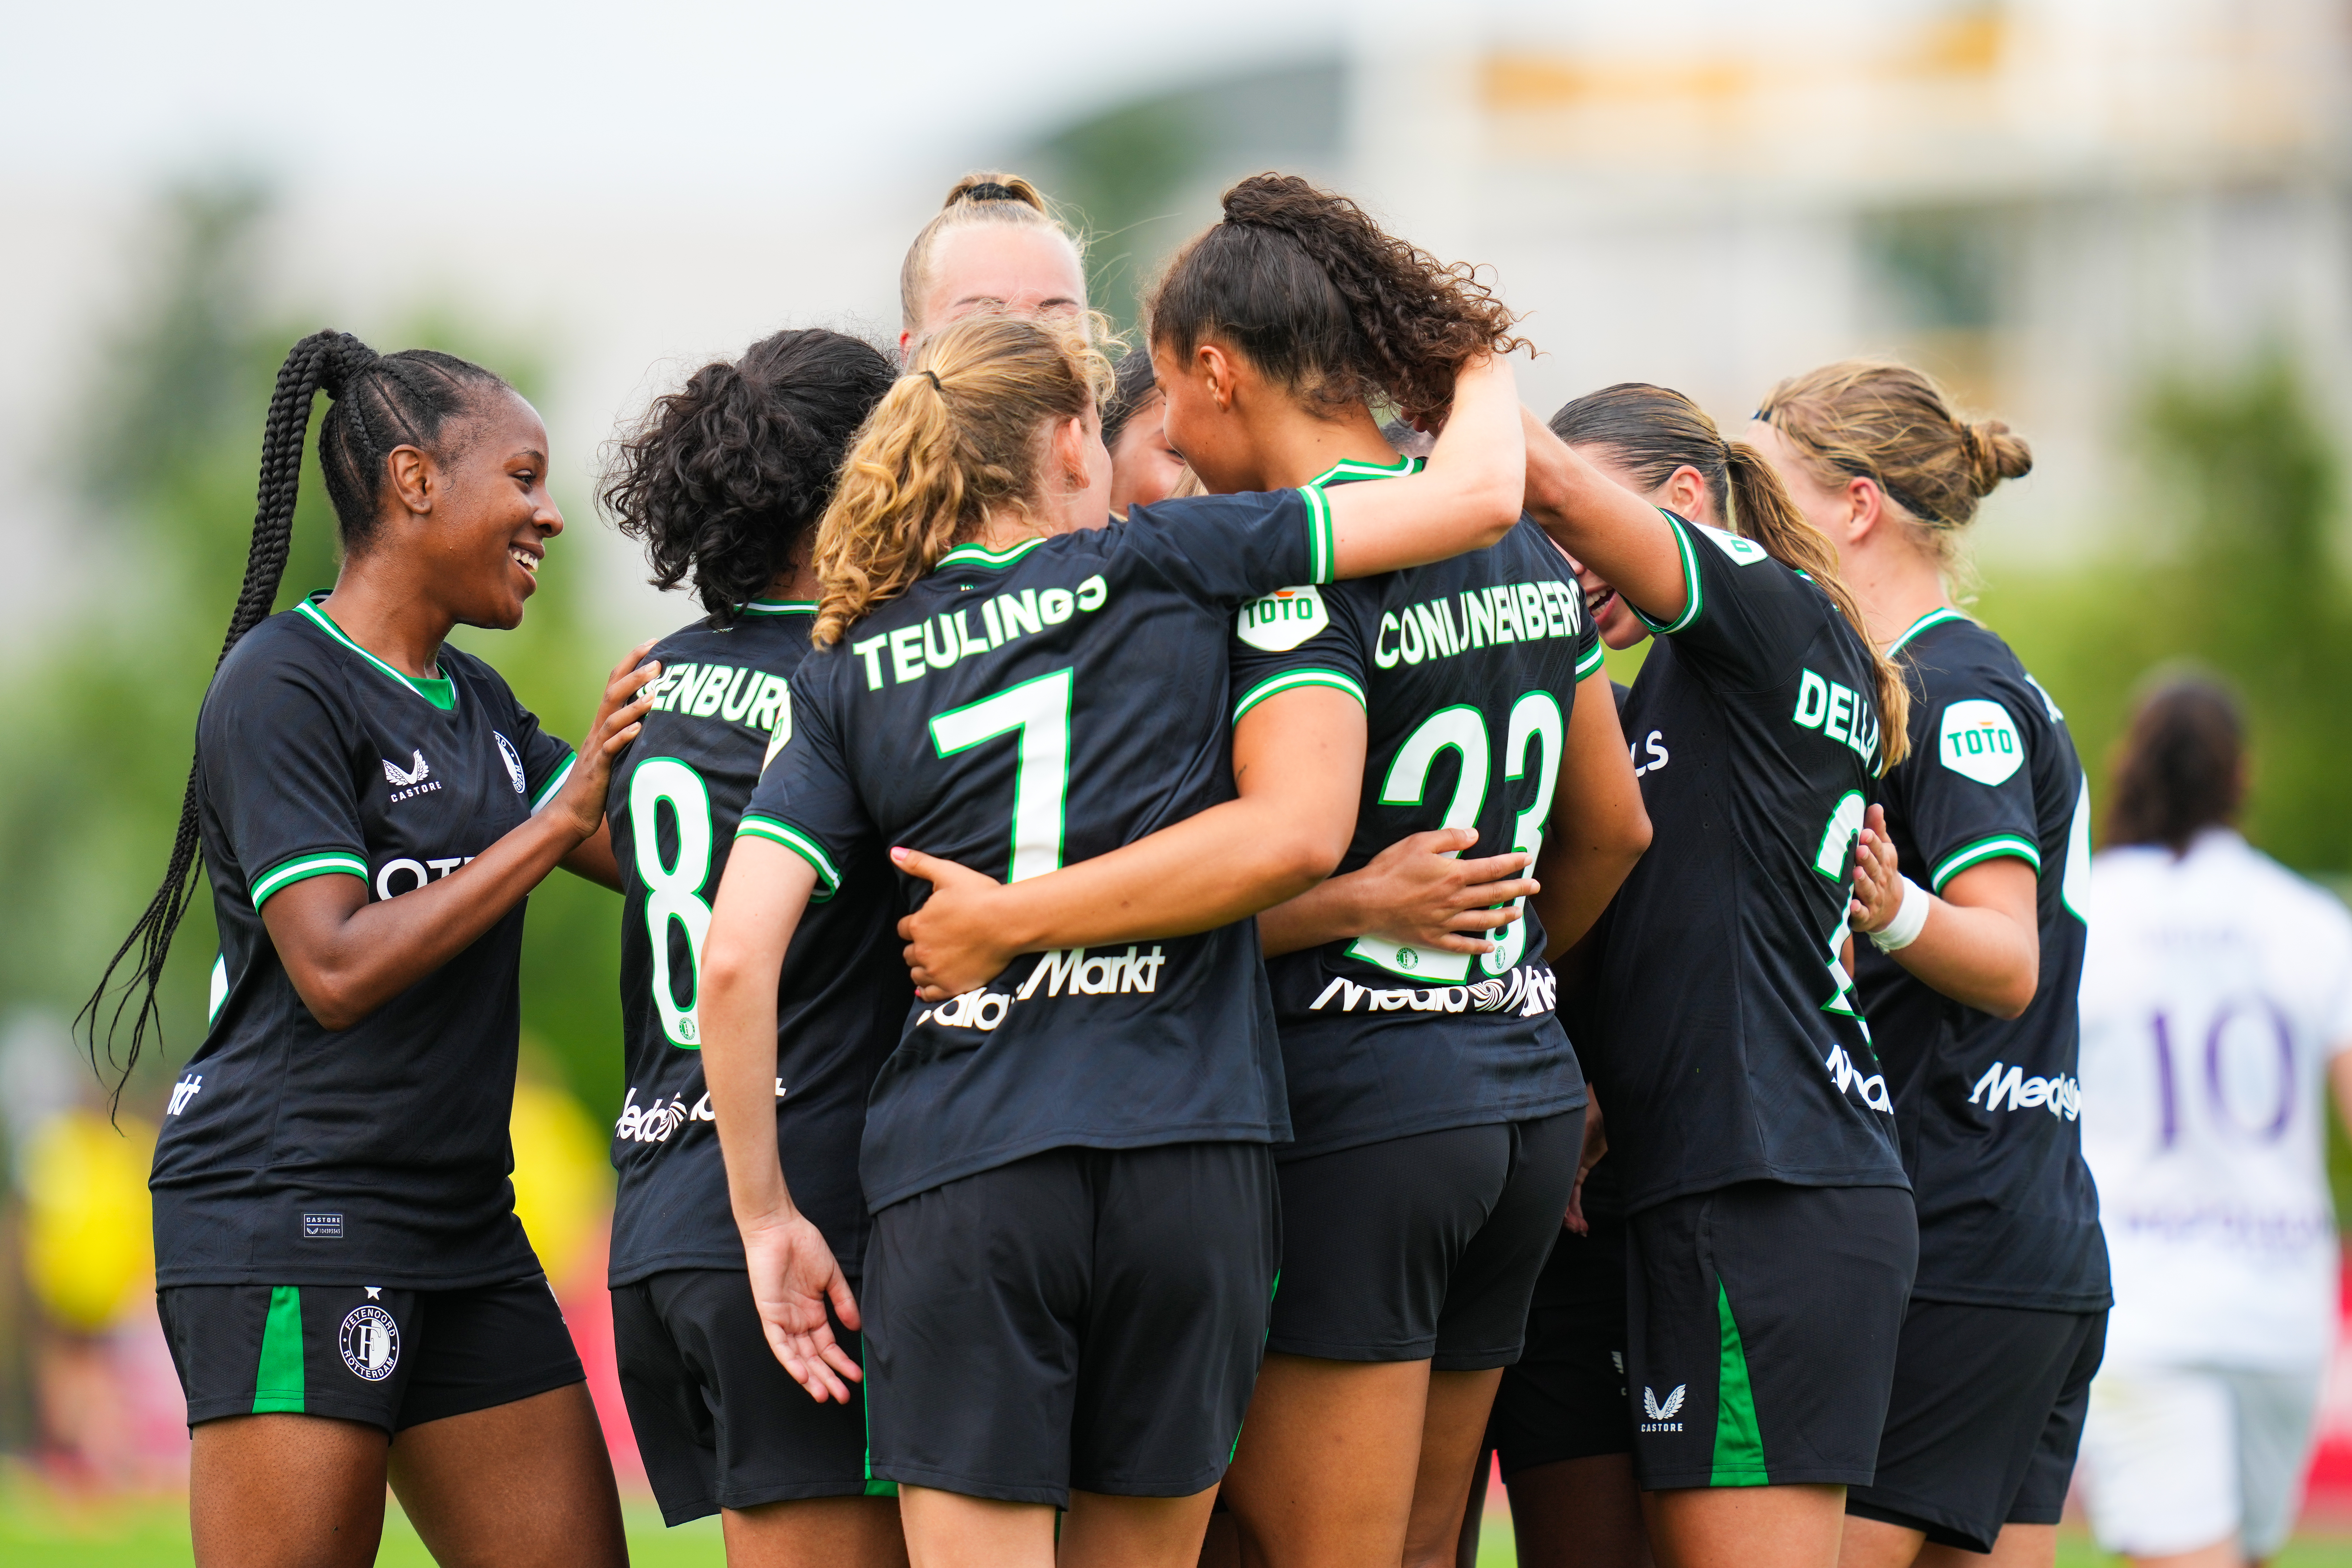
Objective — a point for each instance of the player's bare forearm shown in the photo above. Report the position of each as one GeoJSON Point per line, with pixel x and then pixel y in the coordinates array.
{"type": "Point", "coordinates": [1602, 524]}
{"type": "Point", "coordinates": [348, 956]}
{"type": "Point", "coordinates": [1982, 943]}
{"type": "Point", "coordinates": [592, 860]}
{"type": "Point", "coordinates": [1466, 498]}
{"type": "Point", "coordinates": [1325, 912]}
{"type": "Point", "coordinates": [1599, 828]}
{"type": "Point", "coordinates": [759, 903]}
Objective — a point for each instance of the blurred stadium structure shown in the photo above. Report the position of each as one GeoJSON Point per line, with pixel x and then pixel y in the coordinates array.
{"type": "Point", "coordinates": [2128, 229]}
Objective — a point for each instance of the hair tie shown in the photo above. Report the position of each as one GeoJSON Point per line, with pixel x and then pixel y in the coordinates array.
{"type": "Point", "coordinates": [990, 190]}
{"type": "Point", "coordinates": [934, 380]}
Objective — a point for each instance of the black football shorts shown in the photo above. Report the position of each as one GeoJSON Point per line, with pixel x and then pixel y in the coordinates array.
{"type": "Point", "coordinates": [1422, 1247]}
{"type": "Point", "coordinates": [1083, 1318]}
{"type": "Point", "coordinates": [1565, 1397]}
{"type": "Point", "coordinates": [1761, 1326]}
{"type": "Point", "coordinates": [718, 1421]}
{"type": "Point", "coordinates": [389, 1357]}
{"type": "Point", "coordinates": [1987, 1415]}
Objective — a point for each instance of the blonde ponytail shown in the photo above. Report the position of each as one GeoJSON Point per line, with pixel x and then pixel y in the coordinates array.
{"type": "Point", "coordinates": [960, 436]}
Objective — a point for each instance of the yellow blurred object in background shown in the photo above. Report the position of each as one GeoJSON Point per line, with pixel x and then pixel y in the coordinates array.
{"type": "Point", "coordinates": [561, 1177]}
{"type": "Point", "coordinates": [89, 1242]}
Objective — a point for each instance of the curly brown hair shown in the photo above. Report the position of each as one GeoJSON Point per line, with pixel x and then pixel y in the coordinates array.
{"type": "Point", "coordinates": [1305, 284]}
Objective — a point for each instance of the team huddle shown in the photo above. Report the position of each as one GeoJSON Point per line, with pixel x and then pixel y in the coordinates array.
{"type": "Point", "coordinates": [1171, 1008]}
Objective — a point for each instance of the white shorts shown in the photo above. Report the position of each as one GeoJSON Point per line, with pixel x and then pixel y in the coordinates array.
{"type": "Point", "coordinates": [2175, 1459]}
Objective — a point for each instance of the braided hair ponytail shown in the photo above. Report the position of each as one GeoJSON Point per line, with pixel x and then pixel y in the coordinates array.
{"type": "Point", "coordinates": [380, 403]}
{"type": "Point", "coordinates": [1321, 300]}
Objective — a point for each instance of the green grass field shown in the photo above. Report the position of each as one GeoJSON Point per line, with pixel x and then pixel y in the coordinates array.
{"type": "Point", "coordinates": [40, 1529]}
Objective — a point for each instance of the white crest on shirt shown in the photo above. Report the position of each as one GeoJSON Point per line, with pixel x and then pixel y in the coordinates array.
{"type": "Point", "coordinates": [1980, 741]}
{"type": "Point", "coordinates": [512, 758]}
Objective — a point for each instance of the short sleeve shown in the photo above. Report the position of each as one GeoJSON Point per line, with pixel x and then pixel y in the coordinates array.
{"type": "Point", "coordinates": [278, 777]}
{"type": "Point", "coordinates": [1744, 614]}
{"type": "Point", "coordinates": [1303, 635]}
{"type": "Point", "coordinates": [1223, 549]}
{"type": "Point", "coordinates": [806, 800]}
{"type": "Point", "coordinates": [1965, 795]}
{"type": "Point", "coordinates": [546, 760]}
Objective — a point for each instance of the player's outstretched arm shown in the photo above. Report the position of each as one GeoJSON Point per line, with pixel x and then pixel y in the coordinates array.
{"type": "Point", "coordinates": [1598, 828]}
{"type": "Point", "coordinates": [1602, 524]}
{"type": "Point", "coordinates": [1299, 784]}
{"type": "Point", "coordinates": [1979, 942]}
{"type": "Point", "coordinates": [794, 1272]}
{"type": "Point", "coordinates": [348, 956]}
{"type": "Point", "coordinates": [1417, 892]}
{"type": "Point", "coordinates": [1466, 497]}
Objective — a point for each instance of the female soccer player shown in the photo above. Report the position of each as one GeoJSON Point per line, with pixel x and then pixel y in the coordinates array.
{"type": "Point", "coordinates": [1770, 1238]}
{"type": "Point", "coordinates": [338, 1268]}
{"type": "Point", "coordinates": [992, 246]}
{"type": "Point", "coordinates": [1435, 1104]}
{"type": "Point", "coordinates": [1562, 1425]}
{"type": "Point", "coordinates": [725, 482]}
{"type": "Point", "coordinates": [1074, 1207]}
{"type": "Point", "coordinates": [2216, 1016]}
{"type": "Point", "coordinates": [1144, 468]}
{"type": "Point", "coordinates": [1971, 984]}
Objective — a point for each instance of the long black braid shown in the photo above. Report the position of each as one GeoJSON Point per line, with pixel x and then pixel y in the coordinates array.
{"type": "Point", "coordinates": [380, 403]}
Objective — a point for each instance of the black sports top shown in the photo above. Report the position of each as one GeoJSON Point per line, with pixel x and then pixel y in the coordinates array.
{"type": "Point", "coordinates": [676, 801]}
{"type": "Point", "coordinates": [1019, 710]}
{"type": "Point", "coordinates": [1729, 1048]}
{"type": "Point", "coordinates": [296, 1154]}
{"type": "Point", "coordinates": [1990, 1109]}
{"type": "Point", "coordinates": [1467, 669]}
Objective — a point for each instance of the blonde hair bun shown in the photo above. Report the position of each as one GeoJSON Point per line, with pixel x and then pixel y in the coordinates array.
{"type": "Point", "coordinates": [1996, 453]}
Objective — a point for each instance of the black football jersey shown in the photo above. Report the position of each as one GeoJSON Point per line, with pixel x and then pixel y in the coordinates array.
{"type": "Point", "coordinates": [676, 800]}
{"type": "Point", "coordinates": [1604, 1192]}
{"type": "Point", "coordinates": [1468, 671]}
{"type": "Point", "coordinates": [1731, 1047]}
{"type": "Point", "coordinates": [1989, 1109]}
{"type": "Point", "coordinates": [1020, 711]}
{"type": "Point", "coordinates": [292, 1153]}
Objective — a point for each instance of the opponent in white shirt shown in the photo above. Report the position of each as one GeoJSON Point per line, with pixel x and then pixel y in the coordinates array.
{"type": "Point", "coordinates": [2216, 1006]}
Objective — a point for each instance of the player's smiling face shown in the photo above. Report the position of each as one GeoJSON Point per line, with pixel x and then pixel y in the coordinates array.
{"type": "Point", "coordinates": [490, 528]}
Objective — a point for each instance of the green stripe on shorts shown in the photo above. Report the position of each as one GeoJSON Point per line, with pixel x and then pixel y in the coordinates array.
{"type": "Point", "coordinates": [1738, 1442]}
{"type": "Point", "coordinates": [873, 1487]}
{"type": "Point", "coordinates": [277, 1382]}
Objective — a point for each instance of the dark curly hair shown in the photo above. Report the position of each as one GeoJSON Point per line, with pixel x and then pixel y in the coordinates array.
{"type": "Point", "coordinates": [1309, 289]}
{"type": "Point", "coordinates": [1130, 395]}
{"type": "Point", "coordinates": [725, 478]}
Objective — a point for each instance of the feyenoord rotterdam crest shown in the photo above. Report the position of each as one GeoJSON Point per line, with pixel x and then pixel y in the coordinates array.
{"type": "Point", "coordinates": [370, 1341]}
{"type": "Point", "coordinates": [513, 759]}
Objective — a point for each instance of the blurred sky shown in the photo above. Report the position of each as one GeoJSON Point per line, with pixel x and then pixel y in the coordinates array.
{"type": "Point", "coordinates": [594, 95]}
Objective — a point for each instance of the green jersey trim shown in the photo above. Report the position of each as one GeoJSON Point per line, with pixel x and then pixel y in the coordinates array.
{"type": "Point", "coordinates": [1984, 849]}
{"type": "Point", "coordinates": [1591, 661]}
{"type": "Point", "coordinates": [1739, 1439]}
{"type": "Point", "coordinates": [547, 791]}
{"type": "Point", "coordinates": [1322, 544]}
{"type": "Point", "coordinates": [439, 690]}
{"type": "Point", "coordinates": [1349, 469]}
{"type": "Point", "coordinates": [277, 1384]}
{"type": "Point", "coordinates": [981, 556]}
{"type": "Point", "coordinates": [781, 607]}
{"type": "Point", "coordinates": [318, 863]}
{"type": "Point", "coordinates": [799, 843]}
{"type": "Point", "coordinates": [1691, 598]}
{"type": "Point", "coordinates": [1289, 680]}
{"type": "Point", "coordinates": [1934, 617]}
